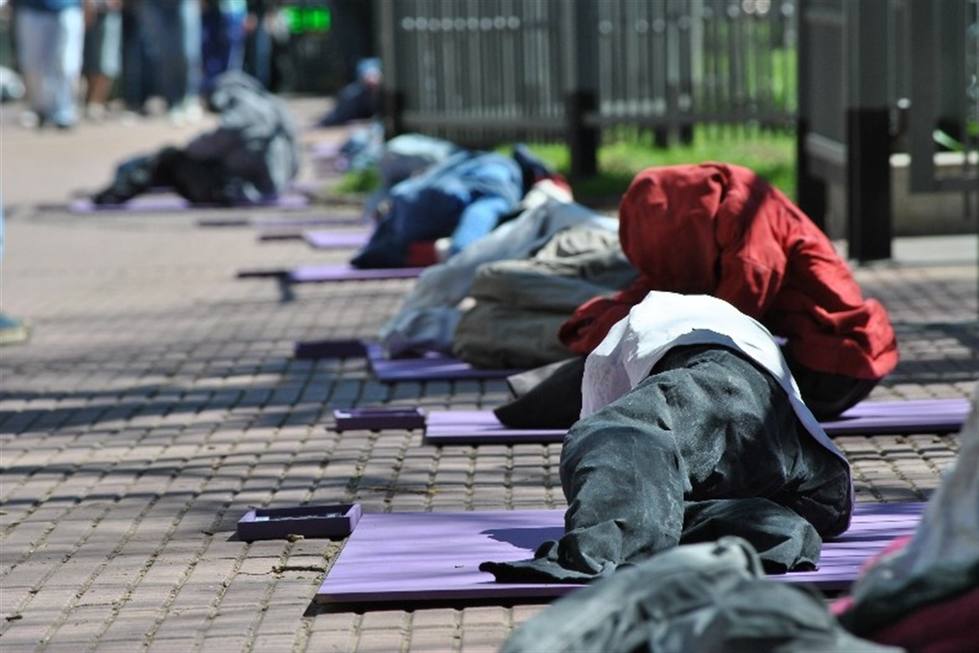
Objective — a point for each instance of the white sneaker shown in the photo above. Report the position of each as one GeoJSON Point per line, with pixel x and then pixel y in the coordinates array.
{"type": "Point", "coordinates": [177, 116]}
{"type": "Point", "coordinates": [95, 112]}
{"type": "Point", "coordinates": [193, 112]}
{"type": "Point", "coordinates": [29, 119]}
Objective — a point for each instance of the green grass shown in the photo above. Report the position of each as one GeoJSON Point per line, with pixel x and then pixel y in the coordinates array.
{"type": "Point", "coordinates": [772, 155]}
{"type": "Point", "coordinates": [358, 182]}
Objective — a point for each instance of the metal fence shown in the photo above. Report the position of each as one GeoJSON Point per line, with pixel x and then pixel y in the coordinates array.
{"type": "Point", "coordinates": [482, 71]}
{"type": "Point", "coordinates": [879, 77]}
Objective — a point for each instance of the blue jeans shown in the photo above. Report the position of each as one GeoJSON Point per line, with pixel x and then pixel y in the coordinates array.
{"type": "Point", "coordinates": [223, 45]}
{"type": "Point", "coordinates": [49, 46]}
{"type": "Point", "coordinates": [173, 32]}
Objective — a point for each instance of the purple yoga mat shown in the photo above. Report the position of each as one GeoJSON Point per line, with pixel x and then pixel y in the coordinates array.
{"type": "Point", "coordinates": [326, 273]}
{"type": "Point", "coordinates": [168, 203]}
{"type": "Point", "coordinates": [430, 367]}
{"type": "Point", "coordinates": [434, 556]}
{"type": "Point", "coordinates": [323, 239]}
{"type": "Point", "coordinates": [866, 418]}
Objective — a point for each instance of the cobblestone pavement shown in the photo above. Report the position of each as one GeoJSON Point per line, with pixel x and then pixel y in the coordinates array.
{"type": "Point", "coordinates": [158, 399]}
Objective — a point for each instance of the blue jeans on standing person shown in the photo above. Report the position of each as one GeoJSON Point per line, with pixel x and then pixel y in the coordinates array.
{"type": "Point", "coordinates": [49, 47]}
{"type": "Point", "coordinates": [173, 32]}
{"type": "Point", "coordinates": [223, 41]}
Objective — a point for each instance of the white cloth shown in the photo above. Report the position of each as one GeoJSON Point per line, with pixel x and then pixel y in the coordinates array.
{"type": "Point", "coordinates": [666, 320]}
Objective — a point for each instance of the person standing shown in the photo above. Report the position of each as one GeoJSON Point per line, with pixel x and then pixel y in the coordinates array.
{"type": "Point", "coordinates": [224, 38]}
{"type": "Point", "coordinates": [102, 54]}
{"type": "Point", "coordinates": [49, 46]}
{"type": "Point", "coordinates": [173, 33]}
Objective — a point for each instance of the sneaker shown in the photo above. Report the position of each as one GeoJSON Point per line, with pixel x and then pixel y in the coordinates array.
{"type": "Point", "coordinates": [177, 116]}
{"type": "Point", "coordinates": [12, 330]}
{"type": "Point", "coordinates": [193, 112]}
{"type": "Point", "coordinates": [29, 120]}
{"type": "Point", "coordinates": [95, 112]}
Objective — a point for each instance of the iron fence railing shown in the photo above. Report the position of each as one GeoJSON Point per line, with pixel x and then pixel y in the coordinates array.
{"type": "Point", "coordinates": [480, 71]}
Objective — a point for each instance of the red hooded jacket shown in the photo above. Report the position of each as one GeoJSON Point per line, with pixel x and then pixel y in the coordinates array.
{"type": "Point", "coordinates": [721, 230]}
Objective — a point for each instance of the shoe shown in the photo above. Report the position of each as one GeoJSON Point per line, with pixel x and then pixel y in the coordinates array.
{"type": "Point", "coordinates": [29, 120]}
{"type": "Point", "coordinates": [12, 330]}
{"type": "Point", "coordinates": [193, 112]}
{"type": "Point", "coordinates": [177, 116]}
{"type": "Point", "coordinates": [95, 112]}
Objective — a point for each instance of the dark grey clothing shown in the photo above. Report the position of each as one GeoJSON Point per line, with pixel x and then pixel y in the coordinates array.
{"type": "Point", "coordinates": [251, 157]}
{"type": "Point", "coordinates": [547, 397]}
{"type": "Point", "coordinates": [828, 395]}
{"type": "Point", "coordinates": [707, 445]}
{"type": "Point", "coordinates": [521, 304]}
{"type": "Point", "coordinates": [707, 598]}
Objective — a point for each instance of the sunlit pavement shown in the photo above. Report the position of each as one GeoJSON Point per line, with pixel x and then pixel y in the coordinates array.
{"type": "Point", "coordinates": [157, 399]}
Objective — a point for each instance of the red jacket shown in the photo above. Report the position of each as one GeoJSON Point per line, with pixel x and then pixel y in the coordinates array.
{"type": "Point", "coordinates": [721, 230]}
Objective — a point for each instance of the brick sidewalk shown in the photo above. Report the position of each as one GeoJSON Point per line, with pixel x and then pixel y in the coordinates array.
{"type": "Point", "coordinates": [157, 400]}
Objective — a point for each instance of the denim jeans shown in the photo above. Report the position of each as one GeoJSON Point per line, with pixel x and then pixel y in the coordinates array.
{"type": "Point", "coordinates": [49, 45]}
{"type": "Point", "coordinates": [173, 33]}
{"type": "Point", "coordinates": [223, 45]}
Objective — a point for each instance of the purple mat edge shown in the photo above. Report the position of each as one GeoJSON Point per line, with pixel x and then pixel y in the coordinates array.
{"type": "Point", "coordinates": [328, 273]}
{"type": "Point", "coordinates": [331, 239]}
{"type": "Point", "coordinates": [897, 512]}
{"type": "Point", "coordinates": [397, 369]}
{"type": "Point", "coordinates": [868, 425]}
{"type": "Point", "coordinates": [437, 368]}
{"type": "Point", "coordinates": [176, 204]}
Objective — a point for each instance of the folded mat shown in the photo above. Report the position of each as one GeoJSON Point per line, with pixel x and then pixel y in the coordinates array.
{"type": "Point", "coordinates": [414, 557]}
{"type": "Point", "coordinates": [323, 239]}
{"type": "Point", "coordinates": [153, 203]}
{"type": "Point", "coordinates": [866, 418]}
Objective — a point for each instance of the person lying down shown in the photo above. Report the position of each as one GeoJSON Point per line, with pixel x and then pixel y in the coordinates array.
{"type": "Point", "coordinates": [251, 157]}
{"type": "Point", "coordinates": [721, 230]}
{"type": "Point", "coordinates": [692, 428]}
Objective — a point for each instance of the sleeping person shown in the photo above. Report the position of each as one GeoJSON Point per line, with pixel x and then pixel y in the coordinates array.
{"type": "Point", "coordinates": [251, 157]}
{"type": "Point", "coordinates": [721, 230]}
{"type": "Point", "coordinates": [691, 428]}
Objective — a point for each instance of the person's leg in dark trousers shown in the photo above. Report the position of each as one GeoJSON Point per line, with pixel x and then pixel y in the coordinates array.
{"type": "Point", "coordinates": [828, 395]}
{"type": "Point", "coordinates": [706, 425]}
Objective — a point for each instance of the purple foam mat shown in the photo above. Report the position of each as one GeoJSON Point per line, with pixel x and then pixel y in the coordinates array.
{"type": "Point", "coordinates": [435, 556]}
{"type": "Point", "coordinates": [901, 417]}
{"type": "Point", "coordinates": [430, 367]}
{"type": "Point", "coordinates": [153, 203]}
{"type": "Point", "coordinates": [866, 418]}
{"type": "Point", "coordinates": [323, 239]}
{"type": "Point", "coordinates": [343, 272]}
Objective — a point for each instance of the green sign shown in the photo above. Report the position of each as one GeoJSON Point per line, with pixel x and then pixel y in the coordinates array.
{"type": "Point", "coordinates": [303, 20]}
